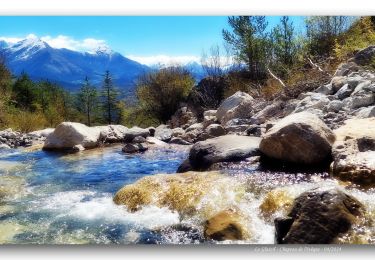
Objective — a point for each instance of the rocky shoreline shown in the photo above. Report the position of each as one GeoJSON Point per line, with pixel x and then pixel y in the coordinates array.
{"type": "Point", "coordinates": [332, 127]}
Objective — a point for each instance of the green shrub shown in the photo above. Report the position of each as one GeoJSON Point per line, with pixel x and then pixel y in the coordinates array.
{"type": "Point", "coordinates": [160, 93]}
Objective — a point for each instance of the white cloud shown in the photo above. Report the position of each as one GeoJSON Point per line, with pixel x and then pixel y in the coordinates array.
{"type": "Point", "coordinates": [62, 41]}
{"type": "Point", "coordinates": [11, 39]}
{"type": "Point", "coordinates": [164, 59]}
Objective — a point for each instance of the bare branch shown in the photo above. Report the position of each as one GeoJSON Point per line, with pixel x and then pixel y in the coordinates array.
{"type": "Point", "coordinates": [275, 77]}
{"type": "Point", "coordinates": [317, 66]}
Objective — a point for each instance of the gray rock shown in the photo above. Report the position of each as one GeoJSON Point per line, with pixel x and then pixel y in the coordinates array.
{"type": "Point", "coordinates": [112, 133]}
{"type": "Point", "coordinates": [163, 133]}
{"type": "Point", "coordinates": [139, 139]}
{"type": "Point", "coordinates": [344, 92]}
{"type": "Point", "coordinates": [366, 112]}
{"type": "Point", "coordinates": [178, 131]}
{"type": "Point", "coordinates": [222, 149]}
{"type": "Point", "coordinates": [325, 89]}
{"type": "Point", "coordinates": [255, 130]}
{"type": "Point", "coordinates": [179, 140]}
{"type": "Point", "coordinates": [134, 148]}
{"type": "Point", "coordinates": [236, 128]}
{"type": "Point", "coordinates": [335, 106]}
{"type": "Point", "coordinates": [300, 138]}
{"type": "Point", "coordinates": [313, 101]}
{"type": "Point", "coordinates": [364, 56]}
{"type": "Point", "coordinates": [4, 146]}
{"type": "Point", "coordinates": [362, 87]}
{"type": "Point", "coordinates": [268, 112]}
{"type": "Point", "coordinates": [354, 152]}
{"type": "Point", "coordinates": [337, 83]}
{"type": "Point", "coordinates": [194, 127]}
{"type": "Point", "coordinates": [215, 130]}
{"type": "Point", "coordinates": [239, 105]}
{"type": "Point", "coordinates": [318, 216]}
{"type": "Point", "coordinates": [134, 132]}
{"type": "Point", "coordinates": [361, 100]}
{"type": "Point", "coordinates": [345, 69]}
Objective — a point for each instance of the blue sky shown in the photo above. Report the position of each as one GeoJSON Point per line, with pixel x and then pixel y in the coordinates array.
{"type": "Point", "coordinates": [134, 36]}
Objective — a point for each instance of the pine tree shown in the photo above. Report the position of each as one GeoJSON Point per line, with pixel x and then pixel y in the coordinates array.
{"type": "Point", "coordinates": [88, 99]}
{"type": "Point", "coordinates": [109, 97]}
{"type": "Point", "coordinates": [284, 45]}
{"type": "Point", "coordinates": [25, 92]}
{"type": "Point", "coordinates": [250, 42]}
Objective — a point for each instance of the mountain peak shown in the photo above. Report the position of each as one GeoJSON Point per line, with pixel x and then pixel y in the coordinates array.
{"type": "Point", "coordinates": [28, 46]}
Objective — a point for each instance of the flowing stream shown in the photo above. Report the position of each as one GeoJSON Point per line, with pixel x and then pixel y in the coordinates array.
{"type": "Point", "coordinates": [52, 198]}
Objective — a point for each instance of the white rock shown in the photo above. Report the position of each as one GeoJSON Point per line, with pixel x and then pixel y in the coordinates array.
{"type": "Point", "coordinates": [68, 134]}
{"type": "Point", "coordinates": [239, 105]}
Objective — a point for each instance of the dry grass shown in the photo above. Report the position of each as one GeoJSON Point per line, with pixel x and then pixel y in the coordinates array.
{"type": "Point", "coordinates": [26, 121]}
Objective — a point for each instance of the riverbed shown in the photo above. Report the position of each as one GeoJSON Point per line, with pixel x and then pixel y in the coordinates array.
{"type": "Point", "coordinates": [55, 198]}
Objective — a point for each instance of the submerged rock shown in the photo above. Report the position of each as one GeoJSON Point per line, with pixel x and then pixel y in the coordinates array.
{"type": "Point", "coordinates": [300, 138]}
{"type": "Point", "coordinates": [180, 192]}
{"type": "Point", "coordinates": [275, 200]}
{"type": "Point", "coordinates": [226, 225]}
{"type": "Point", "coordinates": [239, 105]}
{"type": "Point", "coordinates": [68, 134]}
{"type": "Point", "coordinates": [222, 149]}
{"type": "Point", "coordinates": [318, 216]}
{"type": "Point", "coordinates": [354, 151]}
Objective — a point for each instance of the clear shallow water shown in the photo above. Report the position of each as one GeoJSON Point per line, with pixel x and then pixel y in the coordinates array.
{"type": "Point", "coordinates": [56, 198]}
{"type": "Point", "coordinates": [52, 198]}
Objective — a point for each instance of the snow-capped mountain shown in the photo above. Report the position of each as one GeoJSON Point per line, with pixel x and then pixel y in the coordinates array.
{"type": "Point", "coordinates": [69, 68]}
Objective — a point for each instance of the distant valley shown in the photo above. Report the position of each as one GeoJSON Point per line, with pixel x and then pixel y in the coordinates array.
{"type": "Point", "coordinates": [68, 68]}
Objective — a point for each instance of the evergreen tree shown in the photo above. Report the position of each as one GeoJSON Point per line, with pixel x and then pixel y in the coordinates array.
{"type": "Point", "coordinates": [250, 42]}
{"type": "Point", "coordinates": [284, 45]}
{"type": "Point", "coordinates": [88, 99]}
{"type": "Point", "coordinates": [109, 97]}
{"type": "Point", "coordinates": [25, 93]}
{"type": "Point", "coordinates": [5, 80]}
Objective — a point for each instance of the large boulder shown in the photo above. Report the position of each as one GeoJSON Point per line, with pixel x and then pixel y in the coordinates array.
{"type": "Point", "coordinates": [318, 216]}
{"type": "Point", "coordinates": [68, 135]}
{"type": "Point", "coordinates": [225, 148]}
{"type": "Point", "coordinates": [239, 105]}
{"type": "Point", "coordinates": [300, 138]}
{"type": "Point", "coordinates": [354, 151]}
